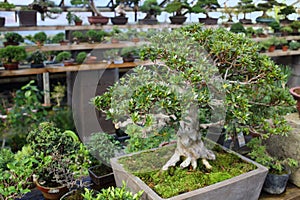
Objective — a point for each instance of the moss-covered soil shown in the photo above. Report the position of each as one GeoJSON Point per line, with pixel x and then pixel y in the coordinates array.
{"type": "Point", "coordinates": [176, 181]}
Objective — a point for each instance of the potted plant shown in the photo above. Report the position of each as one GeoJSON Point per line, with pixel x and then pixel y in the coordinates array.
{"type": "Point", "coordinates": [279, 169]}
{"type": "Point", "coordinates": [121, 19]}
{"type": "Point", "coordinates": [285, 11]}
{"type": "Point", "coordinates": [71, 17]}
{"type": "Point", "coordinates": [152, 9]}
{"type": "Point", "coordinates": [275, 25]}
{"type": "Point", "coordinates": [154, 89]}
{"type": "Point", "coordinates": [103, 147]}
{"type": "Point", "coordinates": [62, 157]}
{"type": "Point", "coordinates": [129, 53]}
{"type": "Point", "coordinates": [40, 38]}
{"type": "Point", "coordinates": [59, 38]}
{"type": "Point", "coordinates": [95, 36]}
{"type": "Point", "coordinates": [36, 59]}
{"type": "Point", "coordinates": [27, 17]}
{"type": "Point", "coordinates": [65, 57]}
{"type": "Point", "coordinates": [179, 8]}
{"type": "Point", "coordinates": [97, 17]}
{"type": "Point", "coordinates": [294, 45]}
{"type": "Point", "coordinates": [77, 37]}
{"type": "Point", "coordinates": [245, 7]}
{"type": "Point", "coordinates": [251, 32]}
{"type": "Point", "coordinates": [12, 38]}
{"type": "Point", "coordinates": [237, 28]}
{"type": "Point", "coordinates": [80, 57]}
{"type": "Point", "coordinates": [286, 30]}
{"type": "Point", "coordinates": [284, 44]}
{"type": "Point", "coordinates": [11, 56]}
{"type": "Point", "coordinates": [205, 7]}
{"type": "Point", "coordinates": [266, 6]}
{"type": "Point", "coordinates": [295, 25]}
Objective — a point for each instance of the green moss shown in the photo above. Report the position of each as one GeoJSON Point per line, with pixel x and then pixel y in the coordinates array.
{"type": "Point", "coordinates": [176, 181]}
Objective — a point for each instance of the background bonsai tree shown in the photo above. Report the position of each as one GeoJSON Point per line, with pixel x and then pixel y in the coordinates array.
{"type": "Point", "coordinates": [245, 6]}
{"type": "Point", "coordinates": [151, 8]}
{"type": "Point", "coordinates": [238, 90]}
{"type": "Point", "coordinates": [205, 6]}
{"type": "Point", "coordinates": [178, 7]}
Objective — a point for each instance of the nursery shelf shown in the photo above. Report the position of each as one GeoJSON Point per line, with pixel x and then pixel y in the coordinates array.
{"type": "Point", "coordinates": [57, 69]}
{"type": "Point", "coordinates": [84, 46]}
{"type": "Point", "coordinates": [277, 53]}
{"type": "Point", "coordinates": [86, 27]}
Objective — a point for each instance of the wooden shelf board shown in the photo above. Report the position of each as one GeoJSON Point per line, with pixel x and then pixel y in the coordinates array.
{"type": "Point", "coordinates": [84, 46]}
{"type": "Point", "coordinates": [85, 27]}
{"type": "Point", "coordinates": [277, 53]}
{"type": "Point", "coordinates": [56, 69]}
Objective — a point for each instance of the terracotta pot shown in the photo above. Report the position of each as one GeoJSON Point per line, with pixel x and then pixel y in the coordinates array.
{"type": "Point", "coordinates": [135, 39]}
{"type": "Point", "coordinates": [114, 40]}
{"type": "Point", "coordinates": [98, 20]}
{"type": "Point", "coordinates": [11, 66]}
{"type": "Point", "coordinates": [285, 47]}
{"type": "Point", "coordinates": [177, 19]}
{"type": "Point", "coordinates": [78, 23]}
{"type": "Point", "coordinates": [52, 193]}
{"type": "Point", "coordinates": [295, 92]}
{"type": "Point", "coordinates": [272, 48]}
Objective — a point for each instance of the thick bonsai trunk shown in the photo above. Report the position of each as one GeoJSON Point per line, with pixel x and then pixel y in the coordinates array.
{"type": "Point", "coordinates": [190, 144]}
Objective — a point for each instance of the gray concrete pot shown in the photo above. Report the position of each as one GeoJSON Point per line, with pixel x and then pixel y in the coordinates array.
{"type": "Point", "coordinates": [246, 186]}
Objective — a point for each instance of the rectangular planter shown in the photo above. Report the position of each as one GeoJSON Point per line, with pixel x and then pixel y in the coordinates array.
{"type": "Point", "coordinates": [103, 181]}
{"type": "Point", "coordinates": [243, 187]}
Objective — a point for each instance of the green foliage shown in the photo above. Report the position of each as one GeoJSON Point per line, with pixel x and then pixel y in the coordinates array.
{"type": "Point", "coordinates": [58, 37]}
{"type": "Point", "coordinates": [71, 17]}
{"type": "Point", "coordinates": [295, 24]}
{"type": "Point", "coordinates": [40, 37]}
{"type": "Point", "coordinates": [13, 37]}
{"type": "Point", "coordinates": [6, 156]}
{"type": "Point", "coordinates": [112, 193]}
{"type": "Point", "coordinates": [15, 177]}
{"type": "Point", "coordinates": [37, 57]}
{"type": "Point", "coordinates": [62, 118]}
{"type": "Point", "coordinates": [204, 6]}
{"type": "Point", "coordinates": [177, 7]}
{"type": "Point", "coordinates": [253, 86]}
{"type": "Point", "coordinates": [103, 146]}
{"type": "Point", "coordinates": [91, 34]}
{"type": "Point", "coordinates": [78, 34]}
{"type": "Point", "coordinates": [58, 93]}
{"type": "Point", "coordinates": [150, 7]}
{"type": "Point", "coordinates": [294, 45]}
{"type": "Point", "coordinates": [275, 165]}
{"type": "Point", "coordinates": [7, 5]}
{"type": "Point", "coordinates": [286, 29]}
{"type": "Point", "coordinates": [147, 166]}
{"type": "Point", "coordinates": [275, 25]}
{"type": "Point", "coordinates": [130, 51]}
{"type": "Point", "coordinates": [64, 55]}
{"type": "Point", "coordinates": [237, 28]}
{"type": "Point", "coordinates": [81, 57]}
{"type": "Point", "coordinates": [11, 54]}
{"type": "Point", "coordinates": [26, 113]}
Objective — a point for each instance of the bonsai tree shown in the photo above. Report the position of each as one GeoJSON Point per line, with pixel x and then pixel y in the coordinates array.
{"type": "Point", "coordinates": [81, 57]}
{"type": "Point", "coordinates": [40, 37]}
{"type": "Point", "coordinates": [237, 28]}
{"type": "Point", "coordinates": [275, 25]}
{"type": "Point", "coordinates": [37, 58]}
{"type": "Point", "coordinates": [240, 91]}
{"type": "Point", "coordinates": [287, 10]}
{"type": "Point", "coordinates": [58, 38]}
{"type": "Point", "coordinates": [264, 7]}
{"type": "Point", "coordinates": [46, 8]}
{"type": "Point", "coordinates": [77, 36]}
{"type": "Point", "coordinates": [13, 38]}
{"type": "Point", "coordinates": [178, 7]}
{"type": "Point", "coordinates": [205, 6]}
{"type": "Point", "coordinates": [71, 17]}
{"type": "Point", "coordinates": [151, 8]}
{"type": "Point", "coordinates": [11, 54]}
{"type": "Point", "coordinates": [95, 36]}
{"type": "Point", "coordinates": [245, 6]}
{"type": "Point", "coordinates": [63, 56]}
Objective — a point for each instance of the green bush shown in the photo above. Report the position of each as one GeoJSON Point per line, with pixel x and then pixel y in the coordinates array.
{"type": "Point", "coordinates": [64, 55]}
{"type": "Point", "coordinates": [40, 37]}
{"type": "Point", "coordinates": [237, 28]}
{"type": "Point", "coordinates": [13, 37]}
{"type": "Point", "coordinates": [81, 57]}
